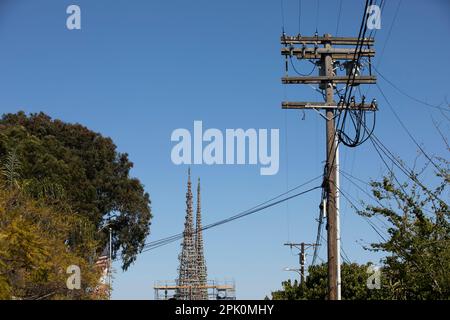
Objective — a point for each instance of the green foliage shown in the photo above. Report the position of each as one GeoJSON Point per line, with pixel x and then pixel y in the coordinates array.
{"type": "Point", "coordinates": [290, 291]}
{"type": "Point", "coordinates": [354, 285]}
{"type": "Point", "coordinates": [69, 165]}
{"type": "Point", "coordinates": [35, 250]}
{"type": "Point", "coordinates": [10, 169]}
{"type": "Point", "coordinates": [417, 264]}
{"type": "Point", "coordinates": [418, 247]}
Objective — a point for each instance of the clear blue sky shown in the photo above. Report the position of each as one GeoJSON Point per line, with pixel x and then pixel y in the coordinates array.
{"type": "Point", "coordinates": [140, 69]}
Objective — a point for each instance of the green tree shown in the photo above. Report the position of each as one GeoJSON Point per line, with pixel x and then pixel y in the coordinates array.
{"type": "Point", "coordinates": [417, 264]}
{"type": "Point", "coordinates": [10, 169]}
{"type": "Point", "coordinates": [354, 285]}
{"type": "Point", "coordinates": [417, 246]}
{"type": "Point", "coordinates": [70, 164]}
{"type": "Point", "coordinates": [35, 249]}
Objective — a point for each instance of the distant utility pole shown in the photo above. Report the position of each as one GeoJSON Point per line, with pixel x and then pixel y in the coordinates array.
{"type": "Point", "coordinates": [302, 247]}
{"type": "Point", "coordinates": [110, 264]}
{"type": "Point", "coordinates": [326, 58]}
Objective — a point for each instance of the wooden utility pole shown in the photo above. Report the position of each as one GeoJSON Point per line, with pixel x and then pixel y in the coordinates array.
{"type": "Point", "coordinates": [327, 65]}
{"type": "Point", "coordinates": [302, 247]}
{"type": "Point", "coordinates": [326, 57]}
{"type": "Point", "coordinates": [302, 262]}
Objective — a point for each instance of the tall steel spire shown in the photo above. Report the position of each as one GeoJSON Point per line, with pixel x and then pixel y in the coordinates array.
{"type": "Point", "coordinates": [202, 293]}
{"type": "Point", "coordinates": [187, 272]}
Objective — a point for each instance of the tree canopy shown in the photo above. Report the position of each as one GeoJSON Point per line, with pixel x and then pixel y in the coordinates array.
{"type": "Point", "coordinates": [86, 172]}
{"type": "Point", "coordinates": [416, 244]}
{"type": "Point", "coordinates": [354, 279]}
{"type": "Point", "coordinates": [417, 264]}
{"type": "Point", "coordinates": [36, 250]}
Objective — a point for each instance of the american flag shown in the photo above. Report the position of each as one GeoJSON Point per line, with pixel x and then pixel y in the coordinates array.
{"type": "Point", "coordinates": [104, 264]}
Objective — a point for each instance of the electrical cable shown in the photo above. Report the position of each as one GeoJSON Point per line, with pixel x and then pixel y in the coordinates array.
{"type": "Point", "coordinates": [379, 146]}
{"type": "Point", "coordinates": [389, 32]}
{"type": "Point", "coordinates": [299, 15]}
{"type": "Point", "coordinates": [392, 243]}
{"type": "Point", "coordinates": [407, 131]}
{"type": "Point", "coordinates": [261, 206]}
{"type": "Point", "coordinates": [235, 217]}
{"type": "Point", "coordinates": [408, 95]}
{"type": "Point", "coordinates": [339, 18]}
{"type": "Point", "coordinates": [317, 16]}
{"type": "Point", "coordinates": [282, 14]}
{"type": "Point", "coordinates": [358, 116]}
{"type": "Point", "coordinates": [372, 225]}
{"type": "Point", "coordinates": [299, 73]}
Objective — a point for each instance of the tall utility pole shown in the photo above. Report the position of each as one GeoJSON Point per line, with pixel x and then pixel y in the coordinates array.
{"type": "Point", "coordinates": [302, 247]}
{"type": "Point", "coordinates": [326, 58]}
{"type": "Point", "coordinates": [327, 64]}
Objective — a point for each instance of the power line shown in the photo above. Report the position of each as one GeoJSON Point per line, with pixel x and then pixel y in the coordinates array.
{"type": "Point", "coordinates": [390, 30]}
{"type": "Point", "coordinates": [376, 144]}
{"type": "Point", "coordinates": [387, 39]}
{"type": "Point", "coordinates": [346, 176]}
{"type": "Point", "coordinates": [333, 111]}
{"type": "Point", "coordinates": [299, 73]}
{"type": "Point", "coordinates": [371, 224]}
{"type": "Point", "coordinates": [261, 204]}
{"type": "Point", "coordinates": [375, 228]}
{"type": "Point", "coordinates": [408, 95]}
{"type": "Point", "coordinates": [267, 204]}
{"type": "Point", "coordinates": [393, 243]}
{"type": "Point", "coordinates": [339, 17]}
{"type": "Point", "coordinates": [299, 15]}
{"type": "Point", "coordinates": [349, 178]}
{"type": "Point", "coordinates": [379, 146]}
{"type": "Point", "coordinates": [238, 216]}
{"type": "Point", "coordinates": [356, 56]}
{"type": "Point", "coordinates": [407, 131]}
{"type": "Point", "coordinates": [317, 16]}
{"type": "Point", "coordinates": [357, 117]}
{"type": "Point", "coordinates": [344, 255]}
{"type": "Point", "coordinates": [374, 31]}
{"type": "Point", "coordinates": [319, 226]}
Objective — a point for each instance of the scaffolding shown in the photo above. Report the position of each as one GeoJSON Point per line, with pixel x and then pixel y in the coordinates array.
{"type": "Point", "coordinates": [192, 283]}
{"type": "Point", "coordinates": [169, 290]}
